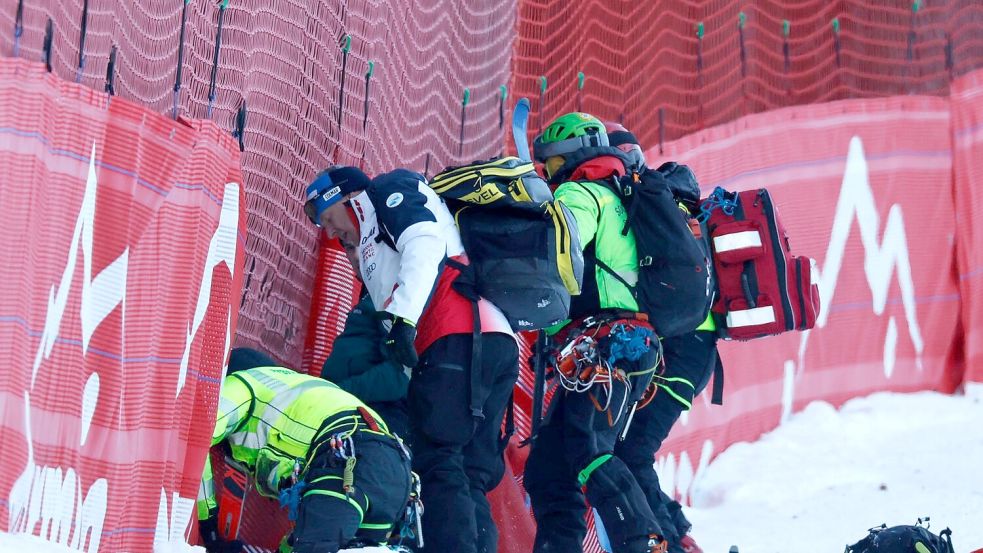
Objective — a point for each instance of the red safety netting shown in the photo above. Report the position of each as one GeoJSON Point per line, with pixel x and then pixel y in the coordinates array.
{"type": "Point", "coordinates": [285, 63]}
{"type": "Point", "coordinates": [967, 148]}
{"type": "Point", "coordinates": [119, 290]}
{"type": "Point", "coordinates": [644, 63]}
{"type": "Point", "coordinates": [670, 68]}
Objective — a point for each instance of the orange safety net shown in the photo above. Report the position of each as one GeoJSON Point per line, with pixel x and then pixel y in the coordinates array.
{"type": "Point", "coordinates": [666, 69]}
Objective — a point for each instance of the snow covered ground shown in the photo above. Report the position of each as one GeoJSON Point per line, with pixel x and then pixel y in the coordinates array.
{"type": "Point", "coordinates": [819, 481]}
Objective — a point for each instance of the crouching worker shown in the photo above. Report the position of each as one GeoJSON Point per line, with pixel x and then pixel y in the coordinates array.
{"type": "Point", "coordinates": [319, 450]}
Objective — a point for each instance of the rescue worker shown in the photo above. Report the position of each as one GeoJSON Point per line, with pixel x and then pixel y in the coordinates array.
{"type": "Point", "coordinates": [575, 447]}
{"type": "Point", "coordinates": [358, 364]}
{"type": "Point", "coordinates": [690, 361]}
{"type": "Point", "coordinates": [407, 245]}
{"type": "Point", "coordinates": [317, 448]}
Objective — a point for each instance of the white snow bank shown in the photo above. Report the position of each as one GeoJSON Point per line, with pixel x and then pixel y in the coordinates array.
{"type": "Point", "coordinates": [820, 480]}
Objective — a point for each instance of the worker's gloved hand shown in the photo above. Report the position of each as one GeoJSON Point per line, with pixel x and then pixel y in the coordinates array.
{"type": "Point", "coordinates": [400, 340]}
{"type": "Point", "coordinates": [208, 529]}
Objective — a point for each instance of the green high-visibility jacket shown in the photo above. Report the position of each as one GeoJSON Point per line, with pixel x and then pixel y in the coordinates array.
{"type": "Point", "coordinates": [269, 416]}
{"type": "Point", "coordinates": [600, 219]}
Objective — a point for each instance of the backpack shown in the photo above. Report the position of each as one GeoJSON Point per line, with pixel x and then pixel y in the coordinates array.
{"type": "Point", "coordinates": [763, 289]}
{"type": "Point", "coordinates": [523, 248]}
{"type": "Point", "coordinates": [674, 286]}
{"type": "Point", "coordinates": [903, 539]}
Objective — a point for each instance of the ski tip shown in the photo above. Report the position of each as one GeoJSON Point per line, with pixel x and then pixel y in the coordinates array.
{"type": "Point", "coordinates": [733, 549]}
{"type": "Point", "coordinates": [523, 102]}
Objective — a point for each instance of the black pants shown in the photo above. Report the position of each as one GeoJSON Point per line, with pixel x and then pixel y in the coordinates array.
{"type": "Point", "coordinates": [329, 519]}
{"type": "Point", "coordinates": [576, 435]}
{"type": "Point", "coordinates": [459, 457]}
{"type": "Point", "coordinates": [397, 417]}
{"type": "Point", "coordinates": [691, 357]}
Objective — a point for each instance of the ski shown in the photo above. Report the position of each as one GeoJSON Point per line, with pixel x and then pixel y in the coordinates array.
{"type": "Point", "coordinates": [520, 126]}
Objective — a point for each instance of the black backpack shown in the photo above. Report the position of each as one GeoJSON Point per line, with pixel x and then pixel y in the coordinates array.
{"type": "Point", "coordinates": [674, 286]}
{"type": "Point", "coordinates": [523, 248]}
{"type": "Point", "coordinates": [903, 539]}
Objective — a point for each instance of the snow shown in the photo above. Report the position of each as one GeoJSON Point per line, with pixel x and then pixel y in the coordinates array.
{"type": "Point", "coordinates": [34, 544]}
{"type": "Point", "coordinates": [820, 480]}
{"type": "Point", "coordinates": [823, 478]}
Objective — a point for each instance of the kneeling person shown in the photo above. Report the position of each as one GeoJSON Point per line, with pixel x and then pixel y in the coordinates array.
{"type": "Point", "coordinates": [319, 450]}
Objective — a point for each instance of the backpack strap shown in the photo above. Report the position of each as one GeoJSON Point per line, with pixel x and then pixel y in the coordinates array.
{"type": "Point", "coordinates": [474, 371]}
{"type": "Point", "coordinates": [717, 394]}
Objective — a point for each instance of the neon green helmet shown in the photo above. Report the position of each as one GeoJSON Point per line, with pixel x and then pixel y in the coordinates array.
{"type": "Point", "coordinates": [569, 133]}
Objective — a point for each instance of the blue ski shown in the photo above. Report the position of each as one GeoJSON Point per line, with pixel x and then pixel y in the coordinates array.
{"type": "Point", "coordinates": [520, 124]}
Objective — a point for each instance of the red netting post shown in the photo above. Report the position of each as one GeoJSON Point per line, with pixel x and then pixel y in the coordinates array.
{"type": "Point", "coordinates": [950, 58]}
{"type": "Point", "coordinates": [245, 286]}
{"type": "Point", "coordinates": [365, 110]}
{"type": "Point", "coordinates": [365, 113]}
{"type": "Point", "coordinates": [741, 20]}
{"type": "Point", "coordinates": [786, 29]}
{"type": "Point", "coordinates": [503, 94]}
{"type": "Point", "coordinates": [699, 71]}
{"type": "Point", "coordinates": [218, 46]}
{"type": "Point", "coordinates": [699, 54]}
{"type": "Point", "coordinates": [180, 58]}
{"type": "Point", "coordinates": [82, 30]}
{"type": "Point", "coordinates": [662, 128]}
{"type": "Point", "coordinates": [110, 87]}
{"type": "Point", "coordinates": [910, 52]}
{"type": "Point", "coordinates": [580, 90]}
{"type": "Point", "coordinates": [345, 47]}
{"type": "Point", "coordinates": [49, 33]}
{"type": "Point", "coordinates": [426, 167]}
{"type": "Point", "coordinates": [542, 100]}
{"type": "Point", "coordinates": [18, 26]}
{"type": "Point", "coordinates": [239, 131]}
{"type": "Point", "coordinates": [836, 39]}
{"type": "Point", "coordinates": [464, 106]}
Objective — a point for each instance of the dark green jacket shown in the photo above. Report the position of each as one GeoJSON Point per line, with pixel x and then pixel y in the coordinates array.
{"type": "Point", "coordinates": [357, 363]}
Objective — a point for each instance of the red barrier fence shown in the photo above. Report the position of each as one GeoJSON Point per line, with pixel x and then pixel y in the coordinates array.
{"type": "Point", "coordinates": [123, 250]}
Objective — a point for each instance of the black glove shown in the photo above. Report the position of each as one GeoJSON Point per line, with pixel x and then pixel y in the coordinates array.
{"type": "Point", "coordinates": [208, 529]}
{"type": "Point", "coordinates": [400, 340]}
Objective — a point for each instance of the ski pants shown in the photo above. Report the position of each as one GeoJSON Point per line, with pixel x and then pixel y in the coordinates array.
{"type": "Point", "coordinates": [459, 457]}
{"type": "Point", "coordinates": [690, 360]}
{"type": "Point", "coordinates": [330, 519]}
{"type": "Point", "coordinates": [575, 449]}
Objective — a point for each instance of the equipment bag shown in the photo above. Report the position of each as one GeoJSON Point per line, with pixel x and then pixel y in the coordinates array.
{"type": "Point", "coordinates": [673, 271]}
{"type": "Point", "coordinates": [763, 289]}
{"type": "Point", "coordinates": [523, 248]}
{"type": "Point", "coordinates": [903, 539]}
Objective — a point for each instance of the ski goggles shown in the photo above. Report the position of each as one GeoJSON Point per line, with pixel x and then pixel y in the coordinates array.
{"type": "Point", "coordinates": [542, 151]}
{"type": "Point", "coordinates": [321, 195]}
